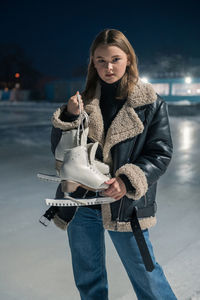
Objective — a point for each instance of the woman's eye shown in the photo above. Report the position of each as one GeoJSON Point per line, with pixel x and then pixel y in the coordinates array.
{"type": "Point", "coordinates": [116, 59]}
{"type": "Point", "coordinates": [101, 61]}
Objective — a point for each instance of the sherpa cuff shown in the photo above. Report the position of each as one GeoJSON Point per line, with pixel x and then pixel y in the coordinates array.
{"type": "Point", "coordinates": [58, 123]}
{"type": "Point", "coordinates": [68, 117]}
{"type": "Point", "coordinates": [60, 222]}
{"type": "Point", "coordinates": [127, 183]}
{"type": "Point", "coordinates": [137, 179]}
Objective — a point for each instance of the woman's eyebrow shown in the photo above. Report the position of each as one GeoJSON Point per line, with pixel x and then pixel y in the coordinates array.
{"type": "Point", "coordinates": [111, 56]}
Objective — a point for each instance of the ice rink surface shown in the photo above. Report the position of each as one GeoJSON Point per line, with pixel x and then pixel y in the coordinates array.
{"type": "Point", "coordinates": [35, 262]}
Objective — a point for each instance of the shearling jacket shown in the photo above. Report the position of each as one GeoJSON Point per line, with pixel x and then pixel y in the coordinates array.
{"type": "Point", "coordinates": [138, 144]}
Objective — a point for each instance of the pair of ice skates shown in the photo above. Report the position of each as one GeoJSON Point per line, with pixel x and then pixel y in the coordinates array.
{"type": "Point", "coordinates": [76, 166]}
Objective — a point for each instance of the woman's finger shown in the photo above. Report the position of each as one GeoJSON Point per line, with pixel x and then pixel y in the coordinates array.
{"type": "Point", "coordinates": [73, 105]}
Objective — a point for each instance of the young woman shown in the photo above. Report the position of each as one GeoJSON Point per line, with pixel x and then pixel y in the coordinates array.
{"type": "Point", "coordinates": [130, 123]}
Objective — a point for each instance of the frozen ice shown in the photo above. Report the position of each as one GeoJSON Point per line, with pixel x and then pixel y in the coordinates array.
{"type": "Point", "coordinates": [35, 261]}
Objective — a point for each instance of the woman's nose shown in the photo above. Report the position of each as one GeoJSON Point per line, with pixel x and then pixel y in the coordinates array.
{"type": "Point", "coordinates": [109, 66]}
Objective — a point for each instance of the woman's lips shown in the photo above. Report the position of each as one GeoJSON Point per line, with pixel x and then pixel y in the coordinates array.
{"type": "Point", "coordinates": [109, 75]}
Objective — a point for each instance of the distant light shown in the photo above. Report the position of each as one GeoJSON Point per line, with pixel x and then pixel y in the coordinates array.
{"type": "Point", "coordinates": [17, 75]}
{"type": "Point", "coordinates": [17, 85]}
{"type": "Point", "coordinates": [189, 91]}
{"type": "Point", "coordinates": [145, 79]}
{"type": "Point", "coordinates": [188, 79]}
{"type": "Point", "coordinates": [187, 136]}
{"type": "Point", "coordinates": [198, 91]}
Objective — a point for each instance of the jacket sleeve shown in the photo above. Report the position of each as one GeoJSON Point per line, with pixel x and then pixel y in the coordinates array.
{"type": "Point", "coordinates": [56, 134]}
{"type": "Point", "coordinates": [155, 155]}
{"type": "Point", "coordinates": [158, 147]}
{"type": "Point", "coordinates": [61, 120]}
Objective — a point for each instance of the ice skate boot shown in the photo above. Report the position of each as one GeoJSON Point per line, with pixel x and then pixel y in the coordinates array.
{"type": "Point", "coordinates": [77, 170]}
{"type": "Point", "coordinates": [69, 140]}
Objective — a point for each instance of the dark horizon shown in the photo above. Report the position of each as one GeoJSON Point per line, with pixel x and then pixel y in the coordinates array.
{"type": "Point", "coordinates": [56, 36]}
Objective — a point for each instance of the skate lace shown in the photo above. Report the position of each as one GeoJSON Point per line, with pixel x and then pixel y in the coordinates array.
{"type": "Point", "coordinates": [82, 117]}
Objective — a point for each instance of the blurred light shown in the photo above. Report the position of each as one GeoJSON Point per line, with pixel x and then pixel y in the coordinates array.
{"type": "Point", "coordinates": [187, 136]}
{"type": "Point", "coordinates": [145, 79]}
{"type": "Point", "coordinates": [5, 89]}
{"type": "Point", "coordinates": [17, 75]}
{"type": "Point", "coordinates": [189, 91]}
{"type": "Point", "coordinates": [17, 85]}
{"type": "Point", "coordinates": [198, 91]}
{"type": "Point", "coordinates": [188, 79]}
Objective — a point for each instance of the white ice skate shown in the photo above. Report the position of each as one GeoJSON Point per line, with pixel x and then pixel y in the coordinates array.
{"type": "Point", "coordinates": [77, 166]}
{"type": "Point", "coordinates": [91, 149]}
{"type": "Point", "coordinates": [69, 140]}
{"type": "Point", "coordinates": [77, 170]}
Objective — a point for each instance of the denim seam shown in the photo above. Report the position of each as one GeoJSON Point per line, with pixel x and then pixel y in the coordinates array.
{"type": "Point", "coordinates": [103, 262]}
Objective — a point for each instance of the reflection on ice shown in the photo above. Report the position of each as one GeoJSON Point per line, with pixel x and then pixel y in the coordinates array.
{"type": "Point", "coordinates": [186, 136]}
{"type": "Point", "coordinates": [184, 171]}
{"type": "Point", "coordinates": [185, 159]}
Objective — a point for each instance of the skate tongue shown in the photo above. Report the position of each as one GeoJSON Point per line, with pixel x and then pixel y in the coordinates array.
{"type": "Point", "coordinates": [92, 148]}
{"type": "Point", "coordinates": [84, 135]}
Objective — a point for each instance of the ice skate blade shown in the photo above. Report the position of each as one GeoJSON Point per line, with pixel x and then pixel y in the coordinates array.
{"type": "Point", "coordinates": [78, 202]}
{"type": "Point", "coordinates": [46, 177]}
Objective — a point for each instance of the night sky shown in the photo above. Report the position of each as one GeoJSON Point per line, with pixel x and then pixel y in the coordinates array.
{"type": "Point", "coordinates": [57, 35]}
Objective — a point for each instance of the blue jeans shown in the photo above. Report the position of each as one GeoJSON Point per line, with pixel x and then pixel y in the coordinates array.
{"type": "Point", "coordinates": [87, 244]}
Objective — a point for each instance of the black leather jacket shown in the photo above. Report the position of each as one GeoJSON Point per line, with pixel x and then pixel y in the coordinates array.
{"type": "Point", "coordinates": [151, 151]}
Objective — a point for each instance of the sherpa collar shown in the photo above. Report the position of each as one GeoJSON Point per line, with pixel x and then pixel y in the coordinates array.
{"type": "Point", "coordinates": [125, 125]}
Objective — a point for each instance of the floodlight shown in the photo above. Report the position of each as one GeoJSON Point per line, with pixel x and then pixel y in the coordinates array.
{"type": "Point", "coordinates": [145, 79]}
{"type": "Point", "coordinates": [188, 79]}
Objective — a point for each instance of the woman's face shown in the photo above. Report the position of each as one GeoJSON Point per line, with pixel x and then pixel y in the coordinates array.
{"type": "Point", "coordinates": [110, 63]}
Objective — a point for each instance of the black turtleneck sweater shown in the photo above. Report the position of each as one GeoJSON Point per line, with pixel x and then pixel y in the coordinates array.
{"type": "Point", "coordinates": [108, 103]}
{"type": "Point", "coordinates": [109, 106]}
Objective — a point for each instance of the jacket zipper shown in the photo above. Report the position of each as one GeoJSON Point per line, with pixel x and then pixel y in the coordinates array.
{"type": "Point", "coordinates": [117, 220]}
{"type": "Point", "coordinates": [129, 156]}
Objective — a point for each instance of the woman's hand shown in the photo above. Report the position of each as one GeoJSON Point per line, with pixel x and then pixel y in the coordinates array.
{"type": "Point", "coordinates": [72, 105]}
{"type": "Point", "coordinates": [117, 188]}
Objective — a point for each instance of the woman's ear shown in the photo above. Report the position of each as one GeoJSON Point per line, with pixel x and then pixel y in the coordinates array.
{"type": "Point", "coordinates": [128, 61]}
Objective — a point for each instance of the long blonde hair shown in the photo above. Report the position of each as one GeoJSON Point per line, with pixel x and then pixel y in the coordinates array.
{"type": "Point", "coordinates": [112, 37]}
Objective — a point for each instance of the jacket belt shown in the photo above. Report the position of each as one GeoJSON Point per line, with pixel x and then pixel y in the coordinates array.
{"type": "Point", "coordinates": [146, 211]}
{"type": "Point", "coordinates": [144, 251]}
